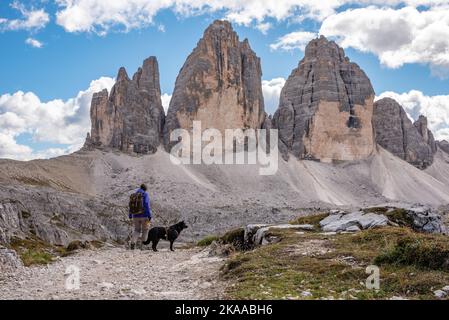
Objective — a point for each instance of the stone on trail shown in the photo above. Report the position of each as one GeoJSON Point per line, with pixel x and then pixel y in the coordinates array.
{"type": "Point", "coordinates": [352, 222]}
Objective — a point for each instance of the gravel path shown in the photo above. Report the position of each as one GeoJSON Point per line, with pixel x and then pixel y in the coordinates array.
{"type": "Point", "coordinates": [117, 273]}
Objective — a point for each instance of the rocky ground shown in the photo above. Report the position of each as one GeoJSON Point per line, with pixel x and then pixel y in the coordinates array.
{"type": "Point", "coordinates": [118, 273]}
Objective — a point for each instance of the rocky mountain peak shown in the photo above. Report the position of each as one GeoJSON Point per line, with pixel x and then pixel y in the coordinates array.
{"type": "Point", "coordinates": [325, 107]}
{"type": "Point", "coordinates": [422, 126]}
{"type": "Point", "coordinates": [122, 75]}
{"type": "Point", "coordinates": [396, 133]}
{"type": "Point", "coordinates": [219, 84]}
{"type": "Point", "coordinates": [131, 118]}
{"type": "Point", "coordinates": [323, 48]}
{"type": "Point", "coordinates": [147, 77]}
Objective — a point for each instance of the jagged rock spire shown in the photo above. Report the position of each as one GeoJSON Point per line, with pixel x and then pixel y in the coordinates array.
{"type": "Point", "coordinates": [131, 118]}
{"type": "Point", "coordinates": [412, 142]}
{"type": "Point", "coordinates": [219, 84]}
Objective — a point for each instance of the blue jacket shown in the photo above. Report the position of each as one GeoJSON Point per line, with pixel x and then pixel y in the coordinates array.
{"type": "Point", "coordinates": [146, 206]}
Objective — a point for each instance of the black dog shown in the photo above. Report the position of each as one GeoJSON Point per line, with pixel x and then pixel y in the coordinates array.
{"type": "Point", "coordinates": [170, 234]}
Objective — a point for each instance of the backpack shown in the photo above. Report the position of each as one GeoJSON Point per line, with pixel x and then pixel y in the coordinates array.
{"type": "Point", "coordinates": [136, 203]}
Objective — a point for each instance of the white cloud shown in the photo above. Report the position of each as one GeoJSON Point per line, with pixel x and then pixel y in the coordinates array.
{"type": "Point", "coordinates": [435, 108]}
{"type": "Point", "coordinates": [166, 101]}
{"type": "Point", "coordinates": [264, 27]}
{"type": "Point", "coordinates": [55, 121]}
{"type": "Point", "coordinates": [32, 20]}
{"type": "Point", "coordinates": [294, 40]}
{"type": "Point", "coordinates": [271, 90]}
{"type": "Point", "coordinates": [397, 31]}
{"type": "Point", "coordinates": [100, 16]}
{"type": "Point", "coordinates": [396, 36]}
{"type": "Point", "coordinates": [34, 43]}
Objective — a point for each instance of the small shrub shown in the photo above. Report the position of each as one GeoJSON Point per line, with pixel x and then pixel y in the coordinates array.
{"type": "Point", "coordinates": [207, 241]}
{"type": "Point", "coordinates": [311, 219]}
{"type": "Point", "coordinates": [235, 237]}
{"type": "Point", "coordinates": [32, 251]}
{"type": "Point", "coordinates": [401, 217]}
{"type": "Point", "coordinates": [379, 210]}
{"type": "Point", "coordinates": [420, 252]}
{"type": "Point", "coordinates": [32, 257]}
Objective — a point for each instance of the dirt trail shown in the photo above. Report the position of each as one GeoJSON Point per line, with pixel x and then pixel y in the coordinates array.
{"type": "Point", "coordinates": [116, 273]}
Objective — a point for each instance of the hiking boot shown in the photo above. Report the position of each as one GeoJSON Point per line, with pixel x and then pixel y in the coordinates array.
{"type": "Point", "coordinates": [133, 246]}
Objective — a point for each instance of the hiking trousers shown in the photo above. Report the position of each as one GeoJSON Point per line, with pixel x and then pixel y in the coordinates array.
{"type": "Point", "coordinates": [141, 228]}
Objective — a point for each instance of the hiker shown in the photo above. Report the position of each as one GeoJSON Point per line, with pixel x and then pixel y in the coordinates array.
{"type": "Point", "coordinates": [140, 213]}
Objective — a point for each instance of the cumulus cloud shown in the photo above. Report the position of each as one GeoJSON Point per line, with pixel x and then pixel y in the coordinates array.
{"type": "Point", "coordinates": [271, 90]}
{"type": "Point", "coordinates": [293, 40]}
{"type": "Point", "coordinates": [396, 36]}
{"type": "Point", "coordinates": [55, 121]}
{"type": "Point", "coordinates": [34, 43]}
{"type": "Point", "coordinates": [32, 19]}
{"type": "Point", "coordinates": [435, 108]}
{"type": "Point", "coordinates": [100, 16]}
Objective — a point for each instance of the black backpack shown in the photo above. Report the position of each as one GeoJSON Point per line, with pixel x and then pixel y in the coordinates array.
{"type": "Point", "coordinates": [136, 203]}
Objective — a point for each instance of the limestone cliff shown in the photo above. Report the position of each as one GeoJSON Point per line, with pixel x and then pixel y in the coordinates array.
{"type": "Point", "coordinates": [325, 107]}
{"type": "Point", "coordinates": [219, 85]}
{"type": "Point", "coordinates": [396, 133]}
{"type": "Point", "coordinates": [131, 117]}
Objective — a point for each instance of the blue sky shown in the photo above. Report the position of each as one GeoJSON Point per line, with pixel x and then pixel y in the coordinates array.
{"type": "Point", "coordinates": [55, 53]}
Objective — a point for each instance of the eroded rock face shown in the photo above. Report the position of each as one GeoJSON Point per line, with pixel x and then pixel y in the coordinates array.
{"type": "Point", "coordinates": [58, 218]}
{"type": "Point", "coordinates": [131, 117]}
{"type": "Point", "coordinates": [219, 85]}
{"type": "Point", "coordinates": [326, 107]}
{"type": "Point", "coordinates": [9, 260]}
{"type": "Point", "coordinates": [443, 145]}
{"type": "Point", "coordinates": [396, 133]}
{"type": "Point", "coordinates": [421, 126]}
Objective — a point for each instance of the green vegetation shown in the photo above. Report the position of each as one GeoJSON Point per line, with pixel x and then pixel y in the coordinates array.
{"type": "Point", "coordinates": [234, 237]}
{"type": "Point", "coordinates": [34, 251]}
{"type": "Point", "coordinates": [400, 217]}
{"type": "Point", "coordinates": [310, 219]}
{"type": "Point", "coordinates": [207, 241]}
{"type": "Point", "coordinates": [412, 265]}
{"type": "Point", "coordinates": [31, 257]}
{"type": "Point", "coordinates": [396, 215]}
{"type": "Point", "coordinates": [420, 251]}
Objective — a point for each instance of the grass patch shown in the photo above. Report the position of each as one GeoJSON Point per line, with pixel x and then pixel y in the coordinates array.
{"type": "Point", "coordinates": [34, 251]}
{"type": "Point", "coordinates": [310, 219]}
{"type": "Point", "coordinates": [35, 257]}
{"type": "Point", "coordinates": [207, 241]}
{"type": "Point", "coordinates": [400, 217]}
{"type": "Point", "coordinates": [333, 266]}
{"type": "Point", "coordinates": [235, 237]}
{"type": "Point", "coordinates": [378, 210]}
{"type": "Point", "coordinates": [420, 251]}
{"type": "Point", "coordinates": [396, 215]}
